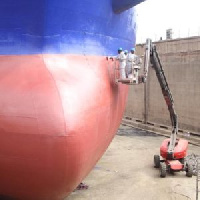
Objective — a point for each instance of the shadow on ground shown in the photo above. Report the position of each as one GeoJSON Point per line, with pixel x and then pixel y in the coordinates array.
{"type": "Point", "coordinates": [129, 131]}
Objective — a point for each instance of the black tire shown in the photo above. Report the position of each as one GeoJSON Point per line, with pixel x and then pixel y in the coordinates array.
{"type": "Point", "coordinates": [163, 170]}
{"type": "Point", "coordinates": [156, 161]}
{"type": "Point", "coordinates": [189, 170]}
{"type": "Point", "coordinates": [182, 160]}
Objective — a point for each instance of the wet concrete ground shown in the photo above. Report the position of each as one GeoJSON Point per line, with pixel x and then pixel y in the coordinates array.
{"type": "Point", "coordinates": [126, 172]}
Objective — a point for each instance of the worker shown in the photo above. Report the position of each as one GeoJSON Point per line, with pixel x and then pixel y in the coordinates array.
{"type": "Point", "coordinates": [121, 57]}
{"type": "Point", "coordinates": [130, 61]}
{"type": "Point", "coordinates": [126, 52]}
{"type": "Point", "coordinates": [132, 65]}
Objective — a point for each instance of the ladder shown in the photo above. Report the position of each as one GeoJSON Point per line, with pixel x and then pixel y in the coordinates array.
{"type": "Point", "coordinates": [198, 179]}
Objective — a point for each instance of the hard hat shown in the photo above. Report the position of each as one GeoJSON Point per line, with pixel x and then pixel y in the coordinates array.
{"type": "Point", "coordinates": [132, 49]}
{"type": "Point", "coordinates": [120, 49]}
{"type": "Point", "coordinates": [125, 51]}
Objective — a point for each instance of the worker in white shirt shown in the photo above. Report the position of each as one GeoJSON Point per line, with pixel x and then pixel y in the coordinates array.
{"type": "Point", "coordinates": [132, 65]}
{"type": "Point", "coordinates": [121, 57]}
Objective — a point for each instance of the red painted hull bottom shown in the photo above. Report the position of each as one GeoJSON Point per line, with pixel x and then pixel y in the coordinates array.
{"type": "Point", "coordinates": [58, 114]}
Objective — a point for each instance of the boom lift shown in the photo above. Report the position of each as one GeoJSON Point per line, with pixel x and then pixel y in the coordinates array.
{"type": "Point", "coordinates": [172, 150]}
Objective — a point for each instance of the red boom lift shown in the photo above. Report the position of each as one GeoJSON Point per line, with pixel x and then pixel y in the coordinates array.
{"type": "Point", "coordinates": [172, 151]}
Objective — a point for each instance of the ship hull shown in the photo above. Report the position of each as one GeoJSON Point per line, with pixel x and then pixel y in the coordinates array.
{"type": "Point", "coordinates": [58, 115]}
{"type": "Point", "coordinates": [59, 104]}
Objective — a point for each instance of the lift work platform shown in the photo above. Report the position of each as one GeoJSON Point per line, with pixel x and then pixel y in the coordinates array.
{"type": "Point", "coordinates": [135, 78]}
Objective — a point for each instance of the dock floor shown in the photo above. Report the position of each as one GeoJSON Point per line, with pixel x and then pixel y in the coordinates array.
{"type": "Point", "coordinates": [126, 172]}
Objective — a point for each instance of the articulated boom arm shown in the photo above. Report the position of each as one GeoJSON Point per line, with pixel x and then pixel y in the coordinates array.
{"type": "Point", "coordinates": [156, 64]}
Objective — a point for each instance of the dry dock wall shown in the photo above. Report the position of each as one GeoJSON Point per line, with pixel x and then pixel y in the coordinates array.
{"type": "Point", "coordinates": [181, 62]}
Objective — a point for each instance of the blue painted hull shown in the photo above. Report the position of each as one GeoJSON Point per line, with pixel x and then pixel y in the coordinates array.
{"type": "Point", "coordinates": [60, 26]}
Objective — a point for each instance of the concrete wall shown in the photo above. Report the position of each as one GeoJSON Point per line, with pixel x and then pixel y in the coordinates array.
{"type": "Point", "coordinates": [181, 62]}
